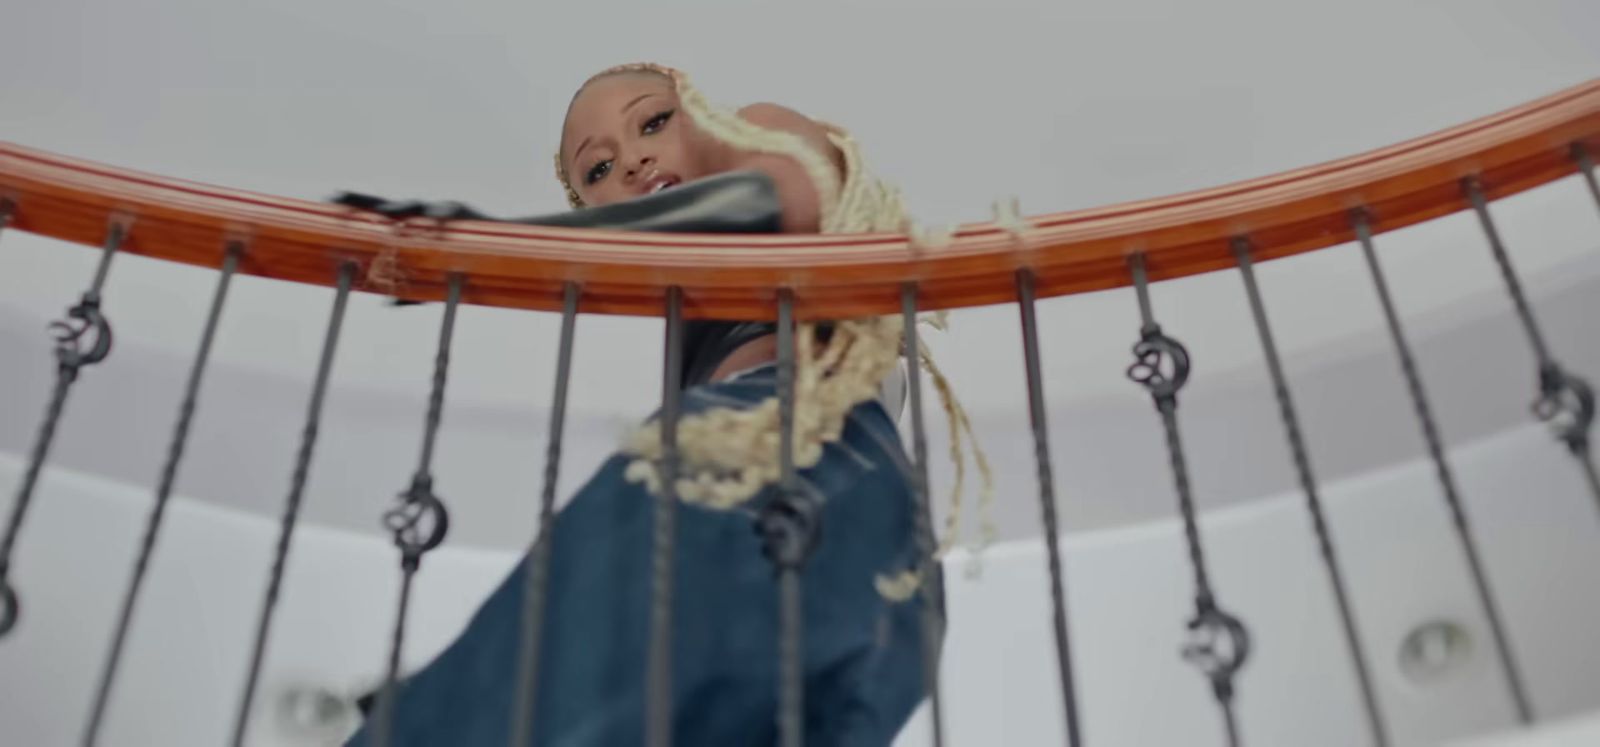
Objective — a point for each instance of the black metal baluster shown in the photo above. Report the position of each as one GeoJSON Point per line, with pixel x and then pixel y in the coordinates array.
{"type": "Point", "coordinates": [1586, 167]}
{"type": "Point", "coordinates": [420, 522]}
{"type": "Point", "coordinates": [7, 209]}
{"type": "Point", "coordinates": [1566, 401]}
{"type": "Point", "coordinates": [73, 352]}
{"type": "Point", "coordinates": [1047, 498]}
{"type": "Point", "coordinates": [658, 694]}
{"type": "Point", "coordinates": [788, 526]}
{"type": "Point", "coordinates": [291, 511]}
{"type": "Point", "coordinates": [928, 567]}
{"type": "Point", "coordinates": [1441, 466]}
{"type": "Point", "coordinates": [533, 600]}
{"type": "Point", "coordinates": [169, 476]}
{"type": "Point", "coordinates": [1219, 643]}
{"type": "Point", "coordinates": [1308, 485]}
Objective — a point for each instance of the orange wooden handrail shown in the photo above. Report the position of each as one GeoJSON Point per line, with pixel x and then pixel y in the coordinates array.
{"type": "Point", "coordinates": [736, 277]}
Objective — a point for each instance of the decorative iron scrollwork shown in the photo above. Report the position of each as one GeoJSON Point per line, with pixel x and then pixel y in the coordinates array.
{"type": "Point", "coordinates": [790, 524]}
{"type": "Point", "coordinates": [1218, 645]}
{"type": "Point", "coordinates": [1566, 403]}
{"type": "Point", "coordinates": [9, 609]}
{"type": "Point", "coordinates": [83, 338]}
{"type": "Point", "coordinates": [420, 522]}
{"type": "Point", "coordinates": [1161, 364]}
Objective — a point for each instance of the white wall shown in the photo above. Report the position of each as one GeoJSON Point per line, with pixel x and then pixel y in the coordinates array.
{"type": "Point", "coordinates": [1128, 593]}
{"type": "Point", "coordinates": [1064, 104]}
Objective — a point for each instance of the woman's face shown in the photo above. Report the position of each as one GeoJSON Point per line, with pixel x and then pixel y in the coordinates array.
{"type": "Point", "coordinates": [625, 137]}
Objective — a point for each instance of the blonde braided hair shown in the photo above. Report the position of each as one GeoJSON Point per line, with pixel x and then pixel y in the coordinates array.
{"type": "Point", "coordinates": [728, 455]}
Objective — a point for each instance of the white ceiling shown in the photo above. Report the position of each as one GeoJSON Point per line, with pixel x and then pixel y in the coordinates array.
{"type": "Point", "coordinates": [1065, 105]}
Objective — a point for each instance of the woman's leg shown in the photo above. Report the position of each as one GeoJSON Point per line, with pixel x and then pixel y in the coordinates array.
{"type": "Point", "coordinates": [864, 652]}
{"type": "Point", "coordinates": [594, 649]}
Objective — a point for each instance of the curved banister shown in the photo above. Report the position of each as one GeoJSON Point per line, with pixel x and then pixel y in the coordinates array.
{"type": "Point", "coordinates": [833, 276]}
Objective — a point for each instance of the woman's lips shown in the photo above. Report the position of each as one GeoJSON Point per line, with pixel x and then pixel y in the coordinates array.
{"type": "Point", "coordinates": [658, 182]}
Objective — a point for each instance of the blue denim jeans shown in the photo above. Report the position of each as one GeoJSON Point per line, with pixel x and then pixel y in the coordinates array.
{"type": "Point", "coordinates": [862, 652]}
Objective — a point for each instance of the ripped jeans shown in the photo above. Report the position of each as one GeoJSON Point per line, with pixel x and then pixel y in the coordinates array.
{"type": "Point", "coordinates": [862, 652]}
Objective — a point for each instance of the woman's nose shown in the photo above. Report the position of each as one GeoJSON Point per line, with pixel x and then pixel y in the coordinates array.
{"type": "Point", "coordinates": [641, 165]}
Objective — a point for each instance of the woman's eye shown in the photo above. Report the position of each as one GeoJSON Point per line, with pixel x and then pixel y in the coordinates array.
{"type": "Point", "coordinates": [657, 122]}
{"type": "Point", "coordinates": [597, 172]}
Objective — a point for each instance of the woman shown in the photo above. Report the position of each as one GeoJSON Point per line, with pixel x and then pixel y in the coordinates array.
{"type": "Point", "coordinates": [631, 132]}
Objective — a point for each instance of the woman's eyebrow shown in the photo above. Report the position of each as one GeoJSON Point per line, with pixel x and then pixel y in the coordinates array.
{"type": "Point", "coordinates": [630, 104]}
{"type": "Point", "coordinates": [625, 109]}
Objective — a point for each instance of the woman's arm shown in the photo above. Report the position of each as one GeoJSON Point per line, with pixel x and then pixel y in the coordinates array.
{"type": "Point", "coordinates": [797, 194]}
{"type": "Point", "coordinates": [802, 207]}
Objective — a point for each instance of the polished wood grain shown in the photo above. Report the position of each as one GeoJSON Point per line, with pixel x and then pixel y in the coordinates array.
{"type": "Point", "coordinates": [736, 277]}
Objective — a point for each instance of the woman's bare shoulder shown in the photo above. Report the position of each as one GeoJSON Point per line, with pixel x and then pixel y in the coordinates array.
{"type": "Point", "coordinates": [779, 117]}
